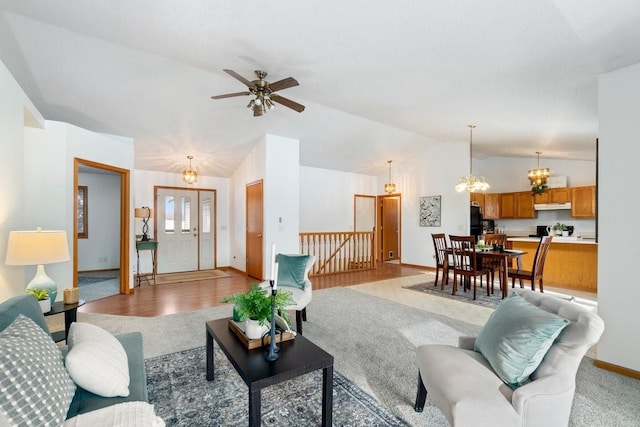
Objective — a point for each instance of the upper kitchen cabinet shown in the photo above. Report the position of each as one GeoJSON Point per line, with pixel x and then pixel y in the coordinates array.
{"type": "Point", "coordinates": [524, 205]}
{"type": "Point", "coordinates": [583, 202]}
{"type": "Point", "coordinates": [491, 209]}
{"type": "Point", "coordinates": [553, 195]}
{"type": "Point", "coordinates": [477, 199]}
{"type": "Point", "coordinates": [507, 205]}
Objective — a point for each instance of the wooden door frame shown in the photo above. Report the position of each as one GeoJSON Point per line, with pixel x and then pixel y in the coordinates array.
{"type": "Point", "coordinates": [125, 212]}
{"type": "Point", "coordinates": [379, 219]}
{"type": "Point", "coordinates": [215, 216]}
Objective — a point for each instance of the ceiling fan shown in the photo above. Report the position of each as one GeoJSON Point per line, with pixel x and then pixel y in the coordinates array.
{"type": "Point", "coordinates": [264, 93]}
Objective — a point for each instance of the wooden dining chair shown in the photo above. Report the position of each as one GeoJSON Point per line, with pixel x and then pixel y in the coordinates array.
{"type": "Point", "coordinates": [440, 245]}
{"type": "Point", "coordinates": [494, 265]}
{"type": "Point", "coordinates": [537, 268]}
{"type": "Point", "coordinates": [465, 262]}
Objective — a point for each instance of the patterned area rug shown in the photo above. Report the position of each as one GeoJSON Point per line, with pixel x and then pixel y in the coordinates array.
{"type": "Point", "coordinates": [183, 397]}
{"type": "Point", "coordinates": [89, 280]}
{"type": "Point", "coordinates": [461, 295]}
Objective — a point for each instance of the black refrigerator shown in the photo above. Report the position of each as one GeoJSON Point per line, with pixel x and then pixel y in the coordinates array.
{"type": "Point", "coordinates": [475, 222]}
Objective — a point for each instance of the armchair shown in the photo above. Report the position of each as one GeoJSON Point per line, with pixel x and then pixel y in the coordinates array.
{"type": "Point", "coordinates": [464, 386]}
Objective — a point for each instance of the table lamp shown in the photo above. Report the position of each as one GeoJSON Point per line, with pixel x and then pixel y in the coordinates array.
{"type": "Point", "coordinates": [38, 247]}
{"type": "Point", "coordinates": [145, 213]}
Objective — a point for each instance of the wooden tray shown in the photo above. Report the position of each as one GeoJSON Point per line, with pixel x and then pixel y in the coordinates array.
{"type": "Point", "coordinates": [257, 343]}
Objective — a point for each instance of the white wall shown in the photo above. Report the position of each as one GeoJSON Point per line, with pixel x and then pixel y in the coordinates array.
{"type": "Point", "coordinates": [619, 227]}
{"type": "Point", "coordinates": [250, 170]}
{"type": "Point", "coordinates": [433, 172]}
{"type": "Point", "coordinates": [14, 105]}
{"type": "Point", "coordinates": [49, 179]}
{"type": "Point", "coordinates": [326, 198]}
{"type": "Point", "coordinates": [101, 249]}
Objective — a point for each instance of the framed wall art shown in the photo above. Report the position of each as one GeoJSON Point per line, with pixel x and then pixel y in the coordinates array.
{"type": "Point", "coordinates": [430, 207]}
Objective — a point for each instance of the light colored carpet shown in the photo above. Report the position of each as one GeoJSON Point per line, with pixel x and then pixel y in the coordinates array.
{"type": "Point", "coordinates": [189, 276]}
{"type": "Point", "coordinates": [373, 341]}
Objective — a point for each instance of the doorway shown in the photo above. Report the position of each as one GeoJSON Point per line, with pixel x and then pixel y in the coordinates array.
{"type": "Point", "coordinates": [124, 212]}
{"type": "Point", "coordinates": [185, 228]}
{"type": "Point", "coordinates": [255, 224]}
{"type": "Point", "coordinates": [389, 227]}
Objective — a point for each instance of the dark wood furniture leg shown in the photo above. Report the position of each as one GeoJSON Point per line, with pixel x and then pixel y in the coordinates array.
{"type": "Point", "coordinates": [70, 316]}
{"type": "Point", "coordinates": [421, 395]}
{"type": "Point", "coordinates": [299, 321]}
{"type": "Point", "coordinates": [210, 368]}
{"type": "Point", "coordinates": [254, 407]}
{"type": "Point", "coordinates": [327, 396]}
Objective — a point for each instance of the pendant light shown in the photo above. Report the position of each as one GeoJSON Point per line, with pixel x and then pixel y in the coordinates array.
{"type": "Point", "coordinates": [389, 187]}
{"type": "Point", "coordinates": [190, 175]}
{"type": "Point", "coordinates": [538, 176]}
{"type": "Point", "coordinates": [472, 183]}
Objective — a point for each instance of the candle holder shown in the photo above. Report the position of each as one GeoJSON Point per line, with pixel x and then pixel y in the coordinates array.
{"type": "Point", "coordinates": [272, 355]}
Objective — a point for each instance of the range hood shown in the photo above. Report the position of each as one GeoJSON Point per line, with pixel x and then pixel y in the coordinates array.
{"type": "Point", "coordinates": [552, 206]}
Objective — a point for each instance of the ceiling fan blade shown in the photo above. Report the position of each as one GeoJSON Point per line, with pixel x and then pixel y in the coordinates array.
{"type": "Point", "coordinates": [283, 84]}
{"type": "Point", "coordinates": [287, 102]}
{"type": "Point", "coordinates": [238, 77]}
{"type": "Point", "coordinates": [229, 95]}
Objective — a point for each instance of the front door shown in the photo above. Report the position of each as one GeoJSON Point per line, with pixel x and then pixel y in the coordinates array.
{"type": "Point", "coordinates": [254, 229]}
{"type": "Point", "coordinates": [177, 230]}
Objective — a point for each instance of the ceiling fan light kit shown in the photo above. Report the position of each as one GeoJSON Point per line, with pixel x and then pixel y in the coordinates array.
{"type": "Point", "coordinates": [471, 182]}
{"type": "Point", "coordinates": [264, 93]}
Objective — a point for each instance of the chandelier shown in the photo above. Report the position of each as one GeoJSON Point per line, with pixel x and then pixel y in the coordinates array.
{"type": "Point", "coordinates": [538, 176]}
{"type": "Point", "coordinates": [389, 187]}
{"type": "Point", "coordinates": [190, 175]}
{"type": "Point", "coordinates": [472, 183]}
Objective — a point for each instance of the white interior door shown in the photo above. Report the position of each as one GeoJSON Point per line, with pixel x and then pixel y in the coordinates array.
{"type": "Point", "coordinates": [207, 229]}
{"type": "Point", "coordinates": [177, 232]}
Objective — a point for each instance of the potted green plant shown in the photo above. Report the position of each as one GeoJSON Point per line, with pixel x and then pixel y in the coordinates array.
{"type": "Point", "coordinates": [560, 229]}
{"type": "Point", "coordinates": [538, 189]}
{"type": "Point", "coordinates": [42, 295]}
{"type": "Point", "coordinates": [254, 308]}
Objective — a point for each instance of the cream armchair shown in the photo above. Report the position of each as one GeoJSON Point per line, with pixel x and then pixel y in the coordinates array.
{"type": "Point", "coordinates": [464, 386]}
{"type": "Point", "coordinates": [302, 296]}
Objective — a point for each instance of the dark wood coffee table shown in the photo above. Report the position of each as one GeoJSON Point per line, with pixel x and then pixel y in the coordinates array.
{"type": "Point", "coordinates": [296, 357]}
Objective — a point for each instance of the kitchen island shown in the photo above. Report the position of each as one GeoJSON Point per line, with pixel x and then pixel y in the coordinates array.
{"type": "Point", "coordinates": [571, 263]}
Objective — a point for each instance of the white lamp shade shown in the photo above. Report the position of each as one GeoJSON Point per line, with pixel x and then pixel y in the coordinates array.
{"type": "Point", "coordinates": [37, 247]}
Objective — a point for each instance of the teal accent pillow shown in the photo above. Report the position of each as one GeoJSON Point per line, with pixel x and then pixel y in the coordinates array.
{"type": "Point", "coordinates": [291, 270]}
{"type": "Point", "coordinates": [516, 338]}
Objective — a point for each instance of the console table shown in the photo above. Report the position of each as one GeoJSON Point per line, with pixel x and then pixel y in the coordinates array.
{"type": "Point", "coordinates": [147, 245]}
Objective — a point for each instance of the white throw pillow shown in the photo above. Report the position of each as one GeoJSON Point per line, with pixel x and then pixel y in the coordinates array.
{"type": "Point", "coordinates": [97, 361]}
{"type": "Point", "coordinates": [125, 414]}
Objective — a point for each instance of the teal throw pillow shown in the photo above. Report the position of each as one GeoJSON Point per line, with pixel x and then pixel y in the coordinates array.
{"type": "Point", "coordinates": [516, 338]}
{"type": "Point", "coordinates": [291, 270]}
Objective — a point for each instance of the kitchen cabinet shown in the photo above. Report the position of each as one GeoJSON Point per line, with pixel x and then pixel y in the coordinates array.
{"type": "Point", "coordinates": [524, 205]}
{"type": "Point", "coordinates": [583, 202]}
{"type": "Point", "coordinates": [507, 205]}
{"type": "Point", "coordinates": [516, 205]}
{"type": "Point", "coordinates": [554, 195]}
{"type": "Point", "coordinates": [479, 199]}
{"type": "Point", "coordinates": [491, 208]}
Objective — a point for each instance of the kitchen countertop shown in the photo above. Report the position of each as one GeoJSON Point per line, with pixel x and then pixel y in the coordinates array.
{"type": "Point", "coordinates": [556, 239]}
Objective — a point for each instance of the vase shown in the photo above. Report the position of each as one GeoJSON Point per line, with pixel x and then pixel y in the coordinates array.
{"type": "Point", "coordinates": [45, 305]}
{"type": "Point", "coordinates": [254, 330]}
{"type": "Point", "coordinates": [565, 233]}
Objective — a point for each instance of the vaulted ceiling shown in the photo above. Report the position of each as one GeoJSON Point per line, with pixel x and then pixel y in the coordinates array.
{"type": "Point", "coordinates": [380, 80]}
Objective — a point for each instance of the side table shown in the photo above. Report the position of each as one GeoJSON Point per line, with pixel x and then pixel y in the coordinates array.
{"type": "Point", "coordinates": [70, 315]}
{"type": "Point", "coordinates": [146, 245]}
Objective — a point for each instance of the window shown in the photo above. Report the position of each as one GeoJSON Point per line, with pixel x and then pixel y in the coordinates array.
{"type": "Point", "coordinates": [206, 216]}
{"type": "Point", "coordinates": [168, 214]}
{"type": "Point", "coordinates": [83, 222]}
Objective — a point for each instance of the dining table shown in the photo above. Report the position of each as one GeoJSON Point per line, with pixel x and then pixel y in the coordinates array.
{"type": "Point", "coordinates": [503, 256]}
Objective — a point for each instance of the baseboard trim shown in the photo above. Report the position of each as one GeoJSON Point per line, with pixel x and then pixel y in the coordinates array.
{"type": "Point", "coordinates": [618, 369]}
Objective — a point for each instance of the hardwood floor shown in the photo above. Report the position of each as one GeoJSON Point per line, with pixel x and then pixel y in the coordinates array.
{"type": "Point", "coordinates": [155, 300]}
